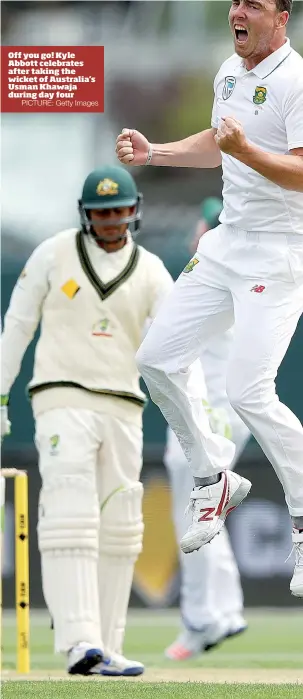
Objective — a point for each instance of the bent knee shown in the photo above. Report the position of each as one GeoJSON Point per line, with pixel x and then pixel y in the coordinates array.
{"type": "Point", "coordinates": [146, 357]}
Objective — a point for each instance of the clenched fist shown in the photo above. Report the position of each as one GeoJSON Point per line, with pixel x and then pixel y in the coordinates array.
{"type": "Point", "coordinates": [132, 147]}
{"type": "Point", "coordinates": [230, 136]}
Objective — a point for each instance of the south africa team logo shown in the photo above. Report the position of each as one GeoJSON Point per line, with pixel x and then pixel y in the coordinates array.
{"type": "Point", "coordinates": [229, 86]}
{"type": "Point", "coordinates": [190, 266]}
{"type": "Point", "coordinates": [260, 95]}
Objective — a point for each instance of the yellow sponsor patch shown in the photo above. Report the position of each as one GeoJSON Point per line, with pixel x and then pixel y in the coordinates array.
{"type": "Point", "coordinates": [70, 288]}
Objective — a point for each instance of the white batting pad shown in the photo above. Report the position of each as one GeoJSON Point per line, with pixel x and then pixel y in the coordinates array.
{"type": "Point", "coordinates": [121, 536]}
{"type": "Point", "coordinates": [68, 540]}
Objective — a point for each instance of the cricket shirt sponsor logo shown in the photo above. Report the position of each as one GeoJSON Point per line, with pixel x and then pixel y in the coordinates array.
{"type": "Point", "coordinates": [229, 86]}
{"type": "Point", "coordinates": [258, 288]}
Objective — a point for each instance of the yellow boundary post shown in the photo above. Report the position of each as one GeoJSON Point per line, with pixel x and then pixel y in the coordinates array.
{"type": "Point", "coordinates": [21, 566]}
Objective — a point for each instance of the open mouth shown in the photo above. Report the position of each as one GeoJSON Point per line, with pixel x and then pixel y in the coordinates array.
{"type": "Point", "coordinates": [241, 34]}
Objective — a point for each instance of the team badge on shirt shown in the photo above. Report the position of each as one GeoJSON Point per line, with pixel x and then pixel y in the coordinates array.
{"type": "Point", "coordinates": [106, 187]}
{"type": "Point", "coordinates": [190, 265]}
{"type": "Point", "coordinates": [229, 86]}
{"type": "Point", "coordinates": [260, 95]}
{"type": "Point", "coordinates": [101, 328]}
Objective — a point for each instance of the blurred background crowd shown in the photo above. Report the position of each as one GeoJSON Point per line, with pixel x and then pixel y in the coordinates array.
{"type": "Point", "coordinates": [160, 61]}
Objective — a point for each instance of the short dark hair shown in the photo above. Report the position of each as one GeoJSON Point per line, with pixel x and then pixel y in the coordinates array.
{"type": "Point", "coordinates": [284, 6]}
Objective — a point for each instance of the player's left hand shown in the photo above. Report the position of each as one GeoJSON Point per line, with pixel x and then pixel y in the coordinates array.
{"type": "Point", "coordinates": [230, 136]}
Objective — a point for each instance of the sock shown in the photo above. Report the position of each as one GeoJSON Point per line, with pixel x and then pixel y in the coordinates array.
{"type": "Point", "coordinates": [210, 480]}
{"type": "Point", "coordinates": [298, 522]}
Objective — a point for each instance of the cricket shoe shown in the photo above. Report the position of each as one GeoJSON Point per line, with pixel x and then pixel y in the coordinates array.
{"type": "Point", "coordinates": [82, 658]}
{"type": "Point", "coordinates": [235, 625]}
{"type": "Point", "coordinates": [191, 643]}
{"type": "Point", "coordinates": [210, 506]}
{"type": "Point", "coordinates": [188, 644]}
{"type": "Point", "coordinates": [296, 583]}
{"type": "Point", "coordinates": [118, 666]}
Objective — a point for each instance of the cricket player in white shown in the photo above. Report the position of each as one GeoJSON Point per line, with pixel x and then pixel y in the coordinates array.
{"type": "Point", "coordinates": [248, 271]}
{"type": "Point", "coordinates": [210, 611]}
{"type": "Point", "coordinates": [93, 291]}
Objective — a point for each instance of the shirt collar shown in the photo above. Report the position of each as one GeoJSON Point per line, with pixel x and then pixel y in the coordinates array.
{"type": "Point", "coordinates": [266, 67]}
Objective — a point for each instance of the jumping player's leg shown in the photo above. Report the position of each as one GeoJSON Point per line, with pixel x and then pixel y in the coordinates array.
{"type": "Point", "coordinates": [266, 322]}
{"type": "Point", "coordinates": [198, 308]}
{"type": "Point", "coordinates": [68, 532]}
{"type": "Point", "coordinates": [121, 534]}
{"type": "Point", "coordinates": [209, 610]}
{"type": "Point", "coordinates": [214, 361]}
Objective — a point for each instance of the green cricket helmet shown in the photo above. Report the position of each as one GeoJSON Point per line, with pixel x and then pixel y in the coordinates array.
{"type": "Point", "coordinates": [109, 187]}
{"type": "Point", "coordinates": [210, 211]}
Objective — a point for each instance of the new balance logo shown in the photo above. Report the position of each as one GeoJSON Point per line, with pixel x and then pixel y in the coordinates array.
{"type": "Point", "coordinates": [258, 289]}
{"type": "Point", "coordinates": [208, 514]}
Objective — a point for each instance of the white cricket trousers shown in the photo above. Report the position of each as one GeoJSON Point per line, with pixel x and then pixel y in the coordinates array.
{"type": "Point", "coordinates": [256, 282]}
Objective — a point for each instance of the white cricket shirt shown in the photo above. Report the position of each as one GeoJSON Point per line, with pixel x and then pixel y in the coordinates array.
{"type": "Point", "coordinates": [93, 307]}
{"type": "Point", "coordinates": [268, 101]}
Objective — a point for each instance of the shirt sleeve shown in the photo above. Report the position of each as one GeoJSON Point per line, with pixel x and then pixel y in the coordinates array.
{"type": "Point", "coordinates": [24, 312]}
{"type": "Point", "coordinates": [293, 115]}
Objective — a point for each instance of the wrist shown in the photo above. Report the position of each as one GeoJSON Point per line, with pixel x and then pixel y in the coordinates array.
{"type": "Point", "coordinates": [247, 150]}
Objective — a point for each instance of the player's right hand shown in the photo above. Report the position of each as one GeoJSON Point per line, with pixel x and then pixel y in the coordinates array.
{"type": "Point", "coordinates": [132, 147]}
{"type": "Point", "coordinates": [5, 423]}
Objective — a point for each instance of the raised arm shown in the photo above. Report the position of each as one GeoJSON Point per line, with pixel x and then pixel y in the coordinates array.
{"type": "Point", "coordinates": [199, 150]}
{"type": "Point", "coordinates": [284, 170]}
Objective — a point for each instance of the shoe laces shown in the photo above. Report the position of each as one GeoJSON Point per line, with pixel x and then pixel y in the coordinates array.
{"type": "Point", "coordinates": [193, 509]}
{"type": "Point", "coordinates": [189, 508]}
{"type": "Point", "coordinates": [297, 549]}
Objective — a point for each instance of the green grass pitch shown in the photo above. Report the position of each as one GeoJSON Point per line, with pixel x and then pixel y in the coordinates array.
{"type": "Point", "coordinates": [265, 662]}
{"type": "Point", "coordinates": [173, 690]}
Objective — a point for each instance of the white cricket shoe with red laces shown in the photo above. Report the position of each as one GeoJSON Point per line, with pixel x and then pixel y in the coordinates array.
{"type": "Point", "coordinates": [210, 506]}
{"type": "Point", "coordinates": [296, 584]}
